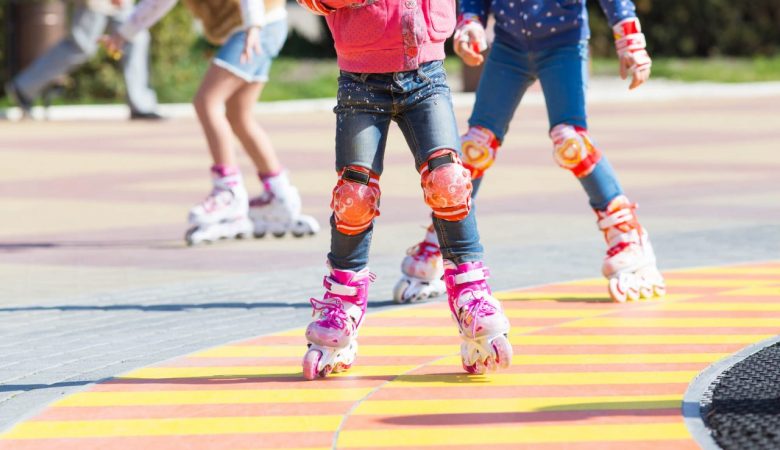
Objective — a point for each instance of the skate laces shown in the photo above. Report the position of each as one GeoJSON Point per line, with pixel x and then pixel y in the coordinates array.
{"type": "Point", "coordinates": [332, 314]}
{"type": "Point", "coordinates": [216, 199]}
{"type": "Point", "coordinates": [475, 309]}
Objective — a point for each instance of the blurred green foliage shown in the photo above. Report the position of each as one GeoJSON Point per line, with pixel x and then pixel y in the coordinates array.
{"type": "Point", "coordinates": [695, 29]}
{"type": "Point", "coordinates": [699, 28]}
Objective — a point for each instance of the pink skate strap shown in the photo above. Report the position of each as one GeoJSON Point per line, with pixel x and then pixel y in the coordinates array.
{"type": "Point", "coordinates": [483, 273]}
{"type": "Point", "coordinates": [339, 289]}
{"type": "Point", "coordinates": [224, 170]}
{"type": "Point", "coordinates": [269, 175]}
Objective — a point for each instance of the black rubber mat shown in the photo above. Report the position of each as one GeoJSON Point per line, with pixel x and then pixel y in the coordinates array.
{"type": "Point", "coordinates": [742, 407]}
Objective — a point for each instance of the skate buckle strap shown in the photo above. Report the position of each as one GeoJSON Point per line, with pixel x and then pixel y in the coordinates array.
{"type": "Point", "coordinates": [472, 275]}
{"type": "Point", "coordinates": [478, 307]}
{"type": "Point", "coordinates": [356, 293]}
{"type": "Point", "coordinates": [337, 288]}
{"type": "Point", "coordinates": [619, 217]}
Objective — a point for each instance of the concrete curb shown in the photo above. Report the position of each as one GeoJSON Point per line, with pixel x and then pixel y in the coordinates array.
{"type": "Point", "coordinates": [700, 388]}
{"type": "Point", "coordinates": [601, 90]}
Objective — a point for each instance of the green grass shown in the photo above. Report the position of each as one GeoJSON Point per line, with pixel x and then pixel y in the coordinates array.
{"type": "Point", "coordinates": [300, 78]}
{"type": "Point", "coordinates": [723, 70]}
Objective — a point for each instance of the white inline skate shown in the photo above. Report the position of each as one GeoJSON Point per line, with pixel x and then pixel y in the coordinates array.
{"type": "Point", "coordinates": [333, 334]}
{"type": "Point", "coordinates": [421, 271]}
{"type": "Point", "coordinates": [481, 321]}
{"type": "Point", "coordinates": [630, 264]}
{"type": "Point", "coordinates": [278, 210]}
{"type": "Point", "coordinates": [223, 214]}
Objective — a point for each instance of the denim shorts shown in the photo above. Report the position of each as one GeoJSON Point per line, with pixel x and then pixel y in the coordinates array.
{"type": "Point", "coordinates": [272, 37]}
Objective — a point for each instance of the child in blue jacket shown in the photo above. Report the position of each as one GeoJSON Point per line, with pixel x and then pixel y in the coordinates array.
{"type": "Point", "coordinates": [548, 40]}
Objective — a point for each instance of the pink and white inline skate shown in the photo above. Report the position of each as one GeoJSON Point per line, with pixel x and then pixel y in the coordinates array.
{"type": "Point", "coordinates": [333, 334]}
{"type": "Point", "coordinates": [481, 321]}
{"type": "Point", "coordinates": [630, 264]}
{"type": "Point", "coordinates": [421, 271]}
{"type": "Point", "coordinates": [278, 210]}
{"type": "Point", "coordinates": [223, 214]}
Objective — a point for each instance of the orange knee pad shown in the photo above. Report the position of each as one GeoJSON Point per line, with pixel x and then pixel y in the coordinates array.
{"type": "Point", "coordinates": [446, 185]}
{"type": "Point", "coordinates": [479, 147]}
{"type": "Point", "coordinates": [355, 200]}
{"type": "Point", "coordinates": [573, 149]}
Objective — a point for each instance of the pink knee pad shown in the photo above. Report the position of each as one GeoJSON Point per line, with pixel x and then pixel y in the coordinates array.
{"type": "Point", "coordinates": [479, 147]}
{"type": "Point", "coordinates": [355, 200]}
{"type": "Point", "coordinates": [446, 185]}
{"type": "Point", "coordinates": [573, 149]}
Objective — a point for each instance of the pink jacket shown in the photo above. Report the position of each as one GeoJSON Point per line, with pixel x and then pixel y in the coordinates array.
{"type": "Point", "coordinates": [381, 36]}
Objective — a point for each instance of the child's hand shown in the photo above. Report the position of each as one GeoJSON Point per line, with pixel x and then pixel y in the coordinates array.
{"type": "Point", "coordinates": [470, 40]}
{"type": "Point", "coordinates": [251, 44]}
{"type": "Point", "coordinates": [632, 55]}
{"type": "Point", "coordinates": [113, 44]}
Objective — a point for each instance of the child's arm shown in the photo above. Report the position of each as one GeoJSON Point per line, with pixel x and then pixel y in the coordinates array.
{"type": "Point", "coordinates": [144, 15]}
{"type": "Point", "coordinates": [629, 41]}
{"type": "Point", "coordinates": [470, 39]}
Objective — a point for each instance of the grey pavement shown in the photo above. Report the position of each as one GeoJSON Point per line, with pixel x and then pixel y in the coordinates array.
{"type": "Point", "coordinates": [88, 296]}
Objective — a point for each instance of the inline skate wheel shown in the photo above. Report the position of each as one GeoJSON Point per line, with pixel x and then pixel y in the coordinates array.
{"type": "Point", "coordinates": [311, 362]}
{"type": "Point", "coordinates": [503, 351]}
{"type": "Point", "coordinates": [399, 291]}
{"type": "Point", "coordinates": [188, 236]}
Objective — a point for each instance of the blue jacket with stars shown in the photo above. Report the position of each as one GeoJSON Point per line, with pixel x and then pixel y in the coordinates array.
{"type": "Point", "coordinates": [534, 25]}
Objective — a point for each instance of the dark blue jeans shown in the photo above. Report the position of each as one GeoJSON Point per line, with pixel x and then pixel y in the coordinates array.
{"type": "Point", "coordinates": [419, 101]}
{"type": "Point", "coordinates": [563, 74]}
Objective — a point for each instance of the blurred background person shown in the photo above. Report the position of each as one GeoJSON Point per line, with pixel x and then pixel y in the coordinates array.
{"type": "Point", "coordinates": [88, 23]}
{"type": "Point", "coordinates": [250, 33]}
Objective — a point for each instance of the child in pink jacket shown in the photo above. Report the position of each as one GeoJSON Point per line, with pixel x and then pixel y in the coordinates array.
{"type": "Point", "coordinates": [390, 53]}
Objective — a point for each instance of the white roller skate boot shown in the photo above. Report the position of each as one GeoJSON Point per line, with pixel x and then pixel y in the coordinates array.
{"type": "Point", "coordinates": [421, 271]}
{"type": "Point", "coordinates": [630, 263]}
{"type": "Point", "coordinates": [278, 210]}
{"type": "Point", "coordinates": [223, 214]}
{"type": "Point", "coordinates": [481, 321]}
{"type": "Point", "coordinates": [333, 334]}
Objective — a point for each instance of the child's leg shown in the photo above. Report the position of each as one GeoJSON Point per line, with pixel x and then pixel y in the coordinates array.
{"type": "Point", "coordinates": [505, 79]}
{"type": "Point", "coordinates": [240, 106]}
{"type": "Point", "coordinates": [224, 212]}
{"type": "Point", "coordinates": [278, 209]}
{"type": "Point", "coordinates": [428, 123]}
{"type": "Point", "coordinates": [507, 75]}
{"type": "Point", "coordinates": [217, 87]}
{"type": "Point", "coordinates": [363, 117]}
{"type": "Point", "coordinates": [239, 110]}
{"type": "Point", "coordinates": [563, 73]}
{"type": "Point", "coordinates": [630, 263]}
